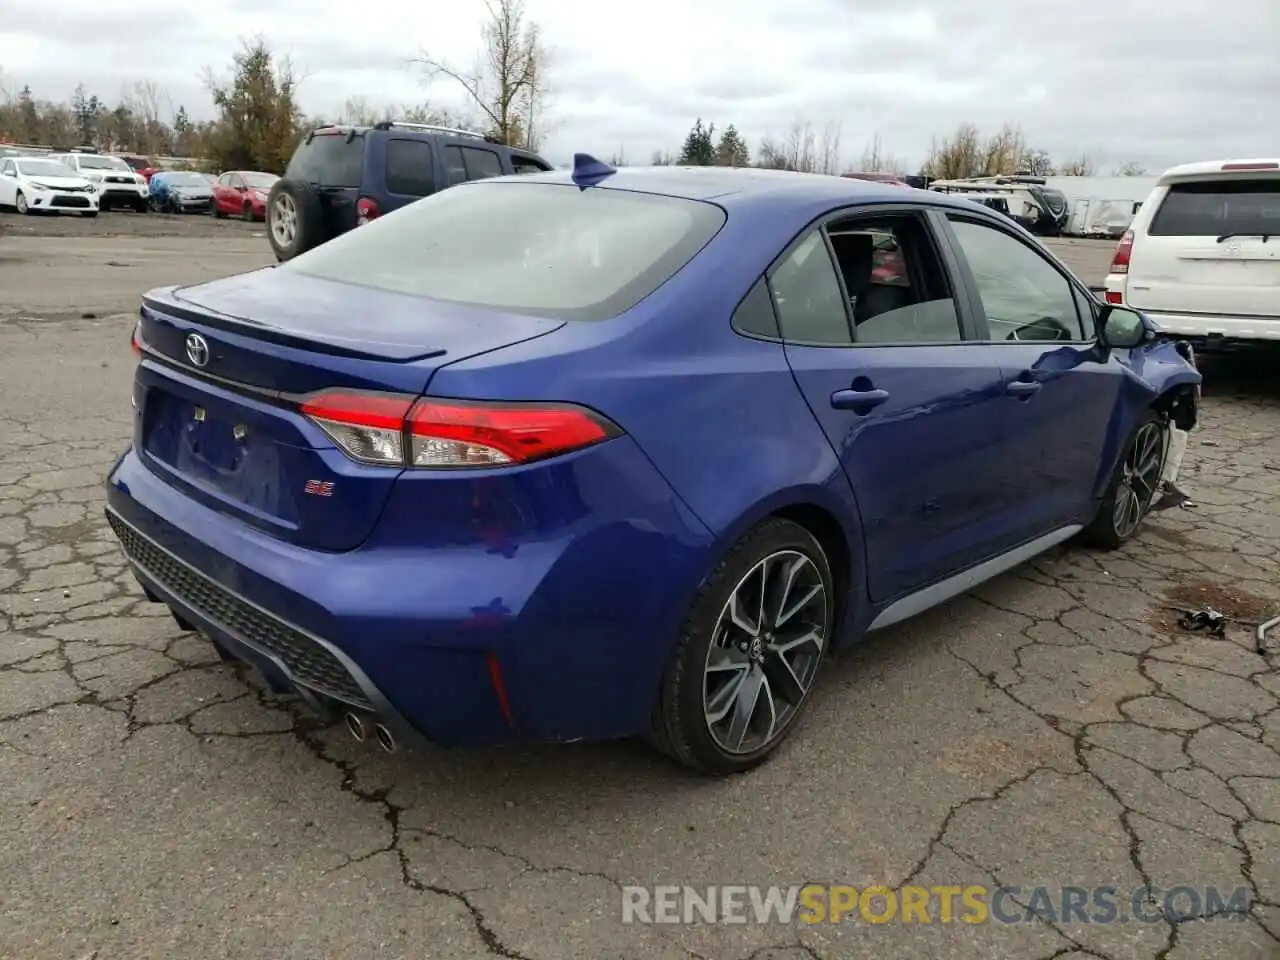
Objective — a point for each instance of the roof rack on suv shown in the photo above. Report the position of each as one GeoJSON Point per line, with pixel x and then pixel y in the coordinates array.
{"type": "Point", "coordinates": [435, 128]}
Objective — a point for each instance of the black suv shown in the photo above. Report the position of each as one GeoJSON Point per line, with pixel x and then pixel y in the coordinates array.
{"type": "Point", "coordinates": [342, 176]}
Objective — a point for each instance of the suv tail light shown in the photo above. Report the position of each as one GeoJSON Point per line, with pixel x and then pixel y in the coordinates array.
{"type": "Point", "coordinates": [135, 341]}
{"type": "Point", "coordinates": [366, 210]}
{"type": "Point", "coordinates": [396, 430]}
{"type": "Point", "coordinates": [1120, 262]}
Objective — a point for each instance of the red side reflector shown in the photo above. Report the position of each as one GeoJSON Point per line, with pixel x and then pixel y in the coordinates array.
{"type": "Point", "coordinates": [500, 689]}
{"type": "Point", "coordinates": [1114, 296]}
{"type": "Point", "coordinates": [1251, 166]}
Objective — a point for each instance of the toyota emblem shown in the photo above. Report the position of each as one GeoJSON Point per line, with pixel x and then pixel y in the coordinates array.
{"type": "Point", "coordinates": [197, 349]}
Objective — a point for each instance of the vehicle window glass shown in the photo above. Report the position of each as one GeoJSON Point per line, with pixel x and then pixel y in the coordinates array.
{"type": "Point", "coordinates": [806, 295]}
{"type": "Point", "coordinates": [481, 164]}
{"type": "Point", "coordinates": [528, 164]}
{"type": "Point", "coordinates": [1025, 297]}
{"type": "Point", "coordinates": [755, 314]}
{"type": "Point", "coordinates": [455, 171]}
{"type": "Point", "coordinates": [237, 182]}
{"type": "Point", "coordinates": [898, 291]}
{"type": "Point", "coordinates": [1217, 209]}
{"type": "Point", "coordinates": [1088, 312]}
{"type": "Point", "coordinates": [544, 249]}
{"type": "Point", "coordinates": [7, 168]}
{"type": "Point", "coordinates": [410, 167]}
{"type": "Point", "coordinates": [328, 160]}
{"type": "Point", "coordinates": [225, 180]}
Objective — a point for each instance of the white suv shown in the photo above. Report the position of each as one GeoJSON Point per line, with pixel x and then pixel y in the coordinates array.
{"type": "Point", "coordinates": [117, 184]}
{"type": "Point", "coordinates": [1202, 256]}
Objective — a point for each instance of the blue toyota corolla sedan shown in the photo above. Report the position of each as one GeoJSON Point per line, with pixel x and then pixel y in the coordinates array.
{"type": "Point", "coordinates": [596, 453]}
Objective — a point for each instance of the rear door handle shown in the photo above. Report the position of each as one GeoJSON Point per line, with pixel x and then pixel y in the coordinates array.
{"type": "Point", "coordinates": [857, 399]}
{"type": "Point", "coordinates": [1022, 388]}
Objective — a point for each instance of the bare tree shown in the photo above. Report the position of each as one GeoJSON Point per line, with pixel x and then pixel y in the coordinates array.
{"type": "Point", "coordinates": [1130, 169]}
{"type": "Point", "coordinates": [1081, 166]}
{"type": "Point", "coordinates": [961, 155]}
{"type": "Point", "coordinates": [800, 148]}
{"type": "Point", "coordinates": [1038, 163]}
{"type": "Point", "coordinates": [619, 158]}
{"type": "Point", "coordinates": [1004, 150]}
{"type": "Point", "coordinates": [771, 155]}
{"type": "Point", "coordinates": [828, 158]}
{"type": "Point", "coordinates": [875, 159]}
{"type": "Point", "coordinates": [508, 84]}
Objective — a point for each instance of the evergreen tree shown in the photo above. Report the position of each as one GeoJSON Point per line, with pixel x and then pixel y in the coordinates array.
{"type": "Point", "coordinates": [699, 149]}
{"type": "Point", "coordinates": [732, 150]}
{"type": "Point", "coordinates": [28, 116]}
{"type": "Point", "coordinates": [87, 110]}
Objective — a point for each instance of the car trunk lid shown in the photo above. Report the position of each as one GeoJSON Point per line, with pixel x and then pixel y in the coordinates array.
{"type": "Point", "coordinates": [227, 366]}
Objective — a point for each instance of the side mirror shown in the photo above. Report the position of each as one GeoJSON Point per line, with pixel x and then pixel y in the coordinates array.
{"type": "Point", "coordinates": [1120, 328]}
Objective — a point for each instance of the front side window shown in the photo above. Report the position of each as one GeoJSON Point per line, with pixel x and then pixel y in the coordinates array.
{"type": "Point", "coordinates": [543, 249]}
{"type": "Point", "coordinates": [1024, 296]}
{"type": "Point", "coordinates": [481, 164]}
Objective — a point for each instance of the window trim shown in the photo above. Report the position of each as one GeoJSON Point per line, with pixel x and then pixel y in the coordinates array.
{"type": "Point", "coordinates": [968, 311]}
{"type": "Point", "coordinates": [982, 328]}
{"type": "Point", "coordinates": [10, 166]}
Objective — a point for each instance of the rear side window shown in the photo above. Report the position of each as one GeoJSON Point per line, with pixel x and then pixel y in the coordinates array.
{"type": "Point", "coordinates": [410, 167]}
{"type": "Point", "coordinates": [527, 164]}
{"type": "Point", "coordinates": [1218, 209]}
{"type": "Point", "coordinates": [329, 159]}
{"type": "Point", "coordinates": [543, 249]}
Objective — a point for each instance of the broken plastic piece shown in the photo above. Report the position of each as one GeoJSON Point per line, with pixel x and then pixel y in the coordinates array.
{"type": "Point", "coordinates": [1205, 619]}
{"type": "Point", "coordinates": [1263, 629]}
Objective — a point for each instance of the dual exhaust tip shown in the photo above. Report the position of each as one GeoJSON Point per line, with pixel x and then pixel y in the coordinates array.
{"type": "Point", "coordinates": [359, 728]}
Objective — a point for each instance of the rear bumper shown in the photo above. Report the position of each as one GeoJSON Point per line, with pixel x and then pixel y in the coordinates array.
{"type": "Point", "coordinates": [577, 614]}
{"type": "Point", "coordinates": [1212, 330]}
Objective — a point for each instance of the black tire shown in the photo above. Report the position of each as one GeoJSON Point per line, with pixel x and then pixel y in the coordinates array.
{"type": "Point", "coordinates": [90, 214]}
{"type": "Point", "coordinates": [140, 206]}
{"type": "Point", "coordinates": [104, 205]}
{"type": "Point", "coordinates": [1107, 531]}
{"type": "Point", "coordinates": [680, 727]}
{"type": "Point", "coordinates": [308, 225]}
{"type": "Point", "coordinates": [217, 213]}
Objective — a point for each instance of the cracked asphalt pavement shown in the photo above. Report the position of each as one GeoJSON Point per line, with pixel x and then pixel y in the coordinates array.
{"type": "Point", "coordinates": [1053, 728]}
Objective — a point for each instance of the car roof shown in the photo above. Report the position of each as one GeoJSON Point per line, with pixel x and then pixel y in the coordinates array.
{"type": "Point", "coordinates": [1221, 170]}
{"type": "Point", "coordinates": [734, 186]}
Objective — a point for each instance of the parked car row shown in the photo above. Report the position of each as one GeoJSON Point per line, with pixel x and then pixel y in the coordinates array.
{"type": "Point", "coordinates": [87, 183]}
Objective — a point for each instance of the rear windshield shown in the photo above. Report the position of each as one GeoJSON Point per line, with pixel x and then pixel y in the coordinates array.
{"type": "Point", "coordinates": [1217, 209]}
{"type": "Point", "coordinates": [329, 160]}
{"type": "Point", "coordinates": [539, 248]}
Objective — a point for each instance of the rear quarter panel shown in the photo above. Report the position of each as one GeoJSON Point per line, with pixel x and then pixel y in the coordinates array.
{"type": "Point", "coordinates": [719, 414]}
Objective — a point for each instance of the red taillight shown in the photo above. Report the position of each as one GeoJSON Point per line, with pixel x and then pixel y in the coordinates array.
{"type": "Point", "coordinates": [1114, 296]}
{"type": "Point", "coordinates": [366, 210]}
{"type": "Point", "coordinates": [394, 430]}
{"type": "Point", "coordinates": [1251, 166]}
{"type": "Point", "coordinates": [1120, 262]}
{"type": "Point", "coordinates": [135, 341]}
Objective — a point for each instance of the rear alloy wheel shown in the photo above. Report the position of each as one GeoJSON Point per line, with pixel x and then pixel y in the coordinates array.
{"type": "Point", "coordinates": [284, 221]}
{"type": "Point", "coordinates": [1134, 485]}
{"type": "Point", "coordinates": [751, 651]}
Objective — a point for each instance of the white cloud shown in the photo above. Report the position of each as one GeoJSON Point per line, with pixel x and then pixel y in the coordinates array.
{"type": "Point", "coordinates": [1159, 83]}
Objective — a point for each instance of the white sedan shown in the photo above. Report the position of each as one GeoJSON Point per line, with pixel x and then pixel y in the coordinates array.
{"type": "Point", "coordinates": [36, 185]}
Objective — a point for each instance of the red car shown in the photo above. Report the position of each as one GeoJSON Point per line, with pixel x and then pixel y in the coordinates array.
{"type": "Point", "coordinates": [142, 166]}
{"type": "Point", "coordinates": [242, 193]}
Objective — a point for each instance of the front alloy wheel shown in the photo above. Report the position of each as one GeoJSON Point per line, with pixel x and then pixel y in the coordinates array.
{"type": "Point", "coordinates": [1134, 485]}
{"type": "Point", "coordinates": [749, 653]}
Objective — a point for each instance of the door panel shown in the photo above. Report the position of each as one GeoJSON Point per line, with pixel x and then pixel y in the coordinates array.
{"type": "Point", "coordinates": [1060, 395]}
{"type": "Point", "coordinates": [922, 450]}
{"type": "Point", "coordinates": [916, 425]}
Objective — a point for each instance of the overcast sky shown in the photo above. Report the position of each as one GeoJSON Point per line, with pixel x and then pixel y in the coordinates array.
{"type": "Point", "coordinates": [1158, 82]}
